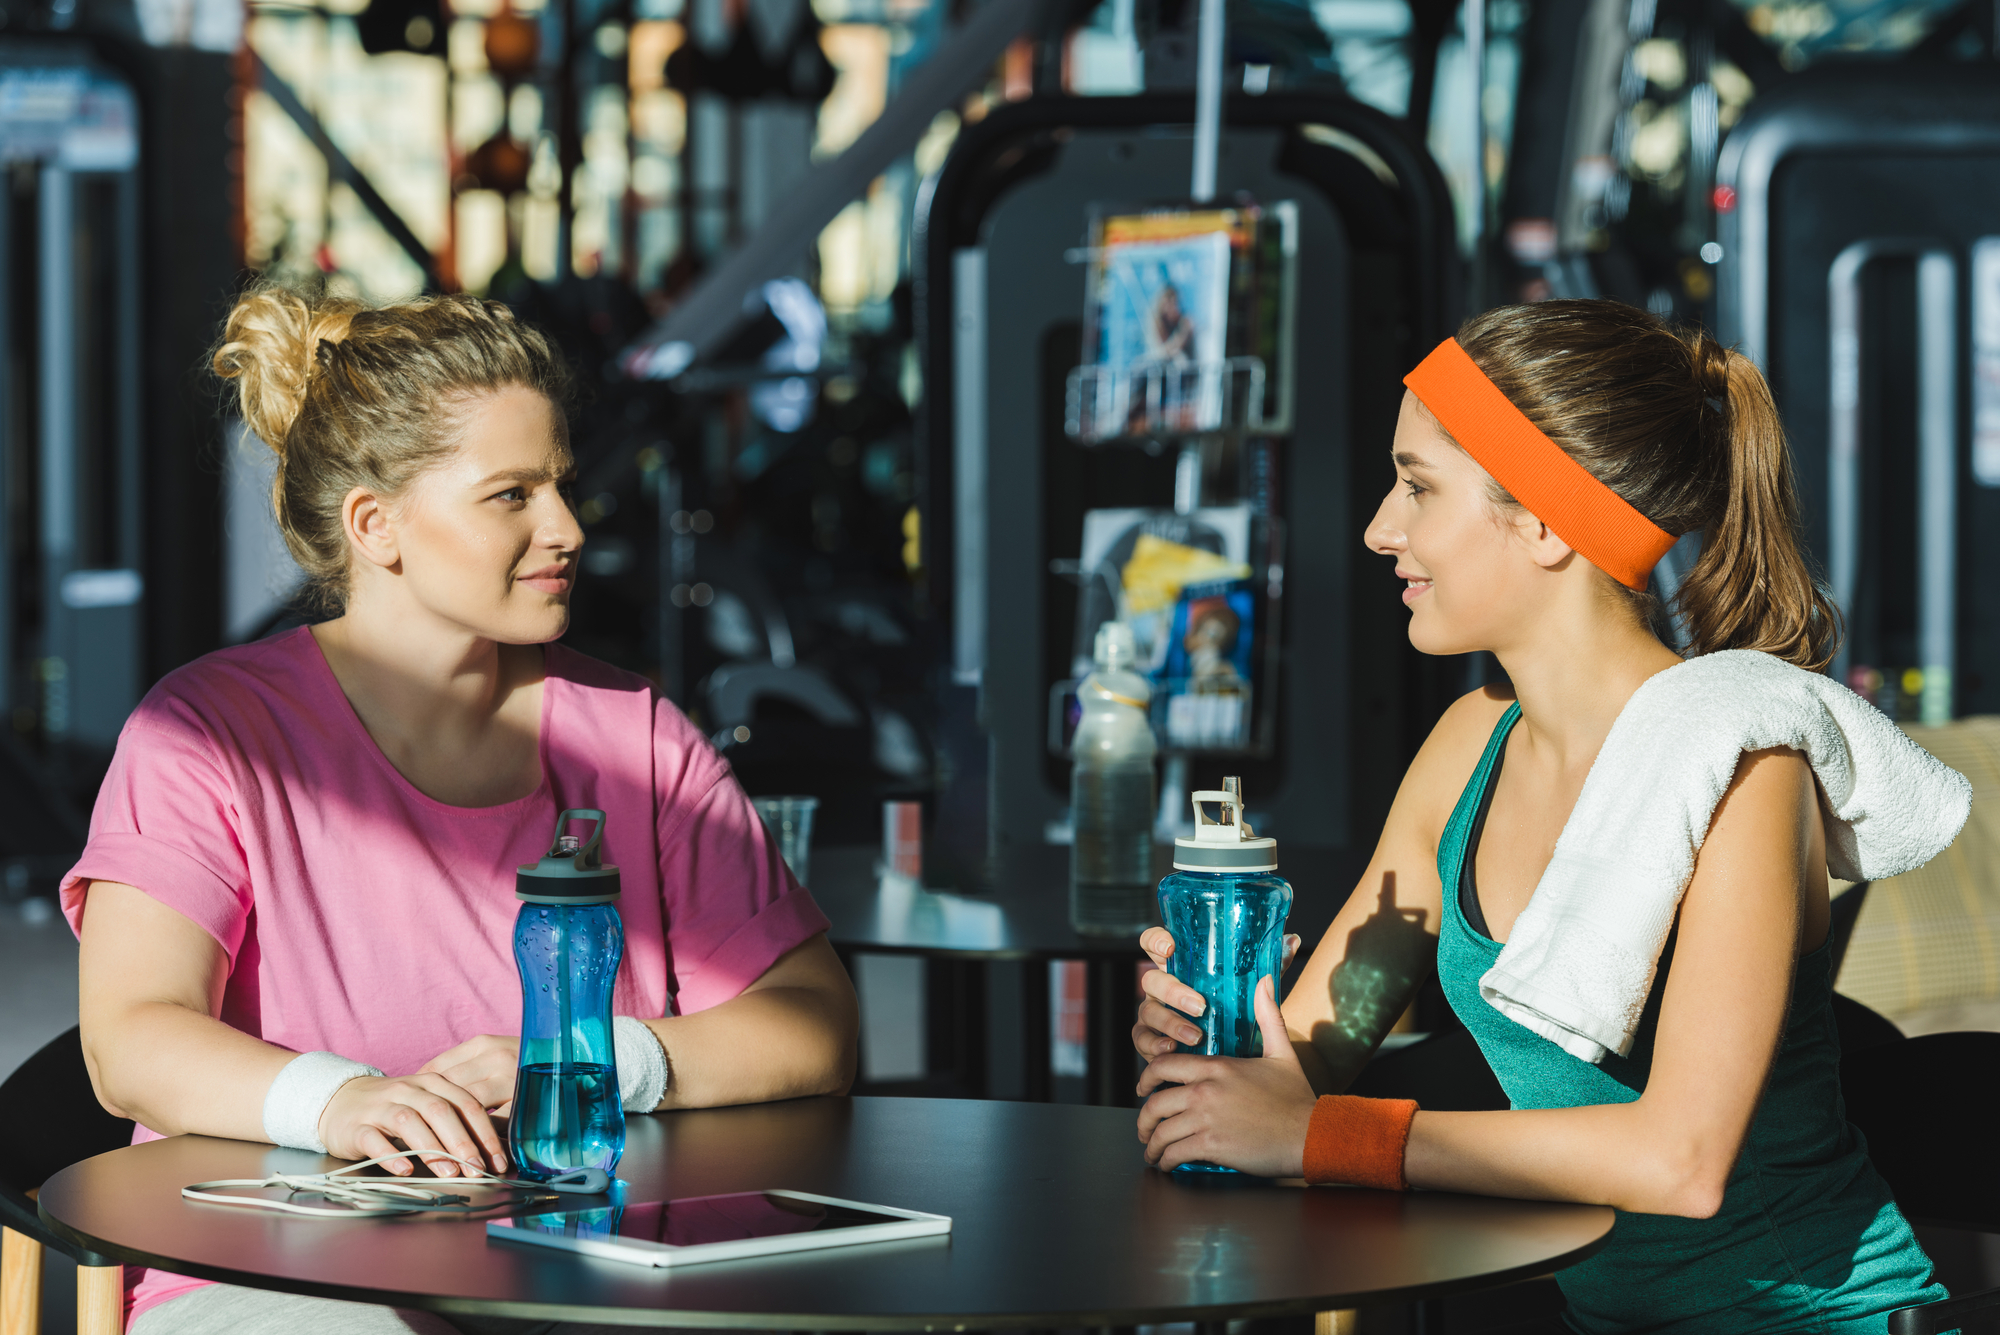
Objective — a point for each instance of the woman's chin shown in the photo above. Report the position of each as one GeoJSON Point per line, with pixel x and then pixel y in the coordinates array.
{"type": "Point", "coordinates": [539, 626]}
{"type": "Point", "coordinates": [1428, 637]}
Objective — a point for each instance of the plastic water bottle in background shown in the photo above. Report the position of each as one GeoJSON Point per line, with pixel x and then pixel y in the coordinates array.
{"type": "Point", "coordinates": [1111, 794]}
{"type": "Point", "coordinates": [568, 940]}
{"type": "Point", "coordinates": [1225, 906]}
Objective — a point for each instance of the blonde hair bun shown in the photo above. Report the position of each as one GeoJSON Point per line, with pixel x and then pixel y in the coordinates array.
{"type": "Point", "coordinates": [269, 346]}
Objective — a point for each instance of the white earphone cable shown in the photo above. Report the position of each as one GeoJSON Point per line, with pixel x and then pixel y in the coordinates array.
{"type": "Point", "coordinates": [363, 1197]}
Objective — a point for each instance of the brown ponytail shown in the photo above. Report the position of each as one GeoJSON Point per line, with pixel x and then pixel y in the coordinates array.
{"type": "Point", "coordinates": [1687, 433]}
{"type": "Point", "coordinates": [1751, 588]}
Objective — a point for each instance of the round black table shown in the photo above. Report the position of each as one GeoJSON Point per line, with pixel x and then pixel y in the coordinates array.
{"type": "Point", "coordinates": [1024, 915]}
{"type": "Point", "coordinates": [1056, 1222]}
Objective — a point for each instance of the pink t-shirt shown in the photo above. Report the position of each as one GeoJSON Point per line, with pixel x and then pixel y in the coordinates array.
{"type": "Point", "coordinates": [364, 918]}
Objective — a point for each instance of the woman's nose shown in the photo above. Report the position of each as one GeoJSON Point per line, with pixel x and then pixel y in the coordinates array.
{"type": "Point", "coordinates": [1382, 536]}
{"type": "Point", "coordinates": [561, 530]}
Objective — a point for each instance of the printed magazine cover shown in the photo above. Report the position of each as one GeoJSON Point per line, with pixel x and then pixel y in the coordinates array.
{"type": "Point", "coordinates": [1182, 302]}
{"type": "Point", "coordinates": [1161, 313]}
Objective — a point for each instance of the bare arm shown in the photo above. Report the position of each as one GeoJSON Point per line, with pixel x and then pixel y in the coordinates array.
{"type": "Point", "coordinates": [1383, 942]}
{"type": "Point", "coordinates": [790, 1033]}
{"type": "Point", "coordinates": [151, 986]}
{"type": "Point", "coordinates": [1671, 1151]}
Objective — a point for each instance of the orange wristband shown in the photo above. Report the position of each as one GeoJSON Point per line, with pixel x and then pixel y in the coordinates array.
{"type": "Point", "coordinates": [1359, 1142]}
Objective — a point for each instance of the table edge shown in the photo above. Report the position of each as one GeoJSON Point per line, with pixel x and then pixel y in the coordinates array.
{"type": "Point", "coordinates": [708, 1320]}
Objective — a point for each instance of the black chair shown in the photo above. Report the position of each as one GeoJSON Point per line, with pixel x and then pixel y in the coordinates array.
{"type": "Point", "coordinates": [1926, 1106]}
{"type": "Point", "coordinates": [50, 1119]}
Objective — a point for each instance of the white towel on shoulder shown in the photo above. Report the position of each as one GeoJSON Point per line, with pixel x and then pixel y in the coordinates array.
{"type": "Point", "coordinates": [1579, 963]}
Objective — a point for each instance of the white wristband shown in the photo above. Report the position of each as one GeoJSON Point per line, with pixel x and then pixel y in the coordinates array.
{"type": "Point", "coordinates": [642, 1064]}
{"type": "Point", "coordinates": [300, 1094]}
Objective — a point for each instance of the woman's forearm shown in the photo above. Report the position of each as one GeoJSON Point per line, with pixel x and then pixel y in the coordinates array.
{"type": "Point", "coordinates": [791, 1034]}
{"type": "Point", "coordinates": [1626, 1155]}
{"type": "Point", "coordinates": [774, 1043]}
{"type": "Point", "coordinates": [174, 1071]}
{"type": "Point", "coordinates": [150, 984]}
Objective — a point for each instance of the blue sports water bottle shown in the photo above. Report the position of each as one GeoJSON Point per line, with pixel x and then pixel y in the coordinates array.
{"type": "Point", "coordinates": [1226, 906]}
{"type": "Point", "coordinates": [568, 941]}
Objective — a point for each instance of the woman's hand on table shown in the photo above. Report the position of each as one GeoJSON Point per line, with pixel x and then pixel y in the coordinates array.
{"type": "Point", "coordinates": [1247, 1113]}
{"type": "Point", "coordinates": [484, 1067]}
{"type": "Point", "coordinates": [1164, 1016]}
{"type": "Point", "coordinates": [368, 1117]}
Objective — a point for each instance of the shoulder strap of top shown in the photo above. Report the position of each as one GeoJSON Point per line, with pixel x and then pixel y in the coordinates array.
{"type": "Point", "coordinates": [1451, 846]}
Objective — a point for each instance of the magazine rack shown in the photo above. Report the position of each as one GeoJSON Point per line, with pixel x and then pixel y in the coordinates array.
{"type": "Point", "coordinates": [1164, 400]}
{"type": "Point", "coordinates": [1005, 486]}
{"type": "Point", "coordinates": [1207, 687]}
{"type": "Point", "coordinates": [1190, 318]}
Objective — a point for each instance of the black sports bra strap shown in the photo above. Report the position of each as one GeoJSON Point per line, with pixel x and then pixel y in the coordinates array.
{"type": "Point", "coordinates": [1468, 882]}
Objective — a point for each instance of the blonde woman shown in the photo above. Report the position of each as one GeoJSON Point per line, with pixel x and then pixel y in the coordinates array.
{"type": "Point", "coordinates": [295, 906]}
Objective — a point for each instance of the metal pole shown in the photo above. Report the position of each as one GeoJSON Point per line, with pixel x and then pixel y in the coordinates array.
{"type": "Point", "coordinates": [1937, 444]}
{"type": "Point", "coordinates": [10, 391]}
{"type": "Point", "coordinates": [968, 465]}
{"type": "Point", "coordinates": [1208, 99]}
{"type": "Point", "coordinates": [1475, 56]}
{"type": "Point", "coordinates": [569, 140]}
{"type": "Point", "coordinates": [1937, 480]}
{"type": "Point", "coordinates": [128, 550]}
{"type": "Point", "coordinates": [1843, 465]}
{"type": "Point", "coordinates": [58, 436]}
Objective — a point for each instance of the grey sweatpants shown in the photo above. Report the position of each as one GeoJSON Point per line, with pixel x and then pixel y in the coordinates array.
{"type": "Point", "coordinates": [225, 1309]}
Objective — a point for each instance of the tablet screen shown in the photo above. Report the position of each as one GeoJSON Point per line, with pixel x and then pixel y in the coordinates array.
{"type": "Point", "coordinates": [690, 1223]}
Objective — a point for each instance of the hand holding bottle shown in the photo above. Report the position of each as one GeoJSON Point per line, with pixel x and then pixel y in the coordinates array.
{"type": "Point", "coordinates": [1166, 1015]}
{"type": "Point", "coordinates": [1249, 1114]}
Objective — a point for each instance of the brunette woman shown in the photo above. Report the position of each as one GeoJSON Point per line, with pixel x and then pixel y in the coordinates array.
{"type": "Point", "coordinates": [1544, 461]}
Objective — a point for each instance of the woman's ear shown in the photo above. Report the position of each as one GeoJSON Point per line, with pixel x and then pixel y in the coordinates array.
{"type": "Point", "coordinates": [1548, 551]}
{"type": "Point", "coordinates": [371, 529]}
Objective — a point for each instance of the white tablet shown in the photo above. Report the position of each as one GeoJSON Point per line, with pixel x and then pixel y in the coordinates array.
{"type": "Point", "coordinates": [718, 1228]}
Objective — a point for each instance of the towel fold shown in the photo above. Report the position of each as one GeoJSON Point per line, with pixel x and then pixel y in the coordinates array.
{"type": "Point", "coordinates": [1579, 963]}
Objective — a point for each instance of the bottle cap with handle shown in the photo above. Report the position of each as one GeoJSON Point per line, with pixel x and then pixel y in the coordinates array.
{"type": "Point", "coordinates": [1226, 845]}
{"type": "Point", "coordinates": [570, 872]}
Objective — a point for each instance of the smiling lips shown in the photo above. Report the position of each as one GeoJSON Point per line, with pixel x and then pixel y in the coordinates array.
{"type": "Point", "coordinates": [1419, 586]}
{"type": "Point", "coordinates": [552, 579]}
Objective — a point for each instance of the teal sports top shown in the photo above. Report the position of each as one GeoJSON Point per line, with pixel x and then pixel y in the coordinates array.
{"type": "Point", "coordinates": [1808, 1238]}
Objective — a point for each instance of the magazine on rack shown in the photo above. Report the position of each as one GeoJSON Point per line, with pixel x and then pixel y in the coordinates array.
{"type": "Point", "coordinates": [1182, 303]}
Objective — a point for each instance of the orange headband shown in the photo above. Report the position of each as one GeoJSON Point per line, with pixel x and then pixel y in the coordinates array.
{"type": "Point", "coordinates": [1593, 519]}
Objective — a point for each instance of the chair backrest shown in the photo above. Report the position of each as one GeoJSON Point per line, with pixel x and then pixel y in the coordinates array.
{"type": "Point", "coordinates": [1926, 1106]}
{"type": "Point", "coordinates": [49, 1119]}
{"type": "Point", "coordinates": [1929, 940]}
{"type": "Point", "coordinates": [1860, 1027]}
